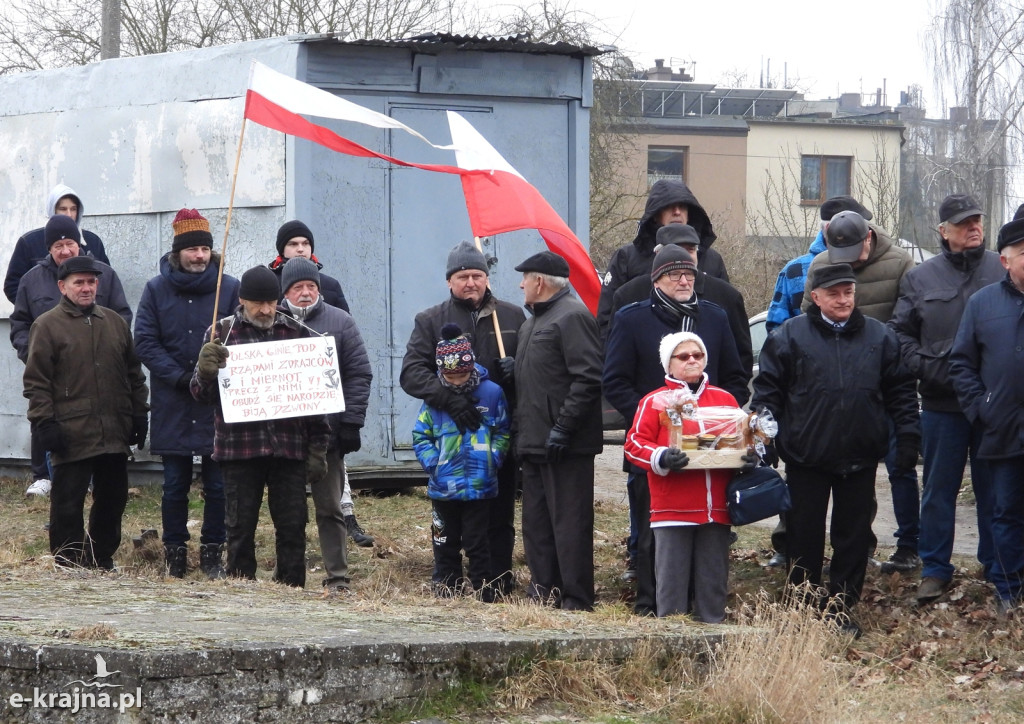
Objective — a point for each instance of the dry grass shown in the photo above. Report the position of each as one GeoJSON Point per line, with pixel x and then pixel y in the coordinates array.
{"type": "Point", "coordinates": [950, 662]}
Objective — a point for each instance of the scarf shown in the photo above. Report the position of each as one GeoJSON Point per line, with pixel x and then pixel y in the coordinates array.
{"type": "Point", "coordinates": [685, 313]}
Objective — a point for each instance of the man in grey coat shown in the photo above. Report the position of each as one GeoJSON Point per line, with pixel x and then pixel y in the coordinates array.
{"type": "Point", "coordinates": [300, 283]}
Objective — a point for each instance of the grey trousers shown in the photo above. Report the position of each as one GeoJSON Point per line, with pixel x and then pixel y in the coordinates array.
{"type": "Point", "coordinates": [330, 521]}
{"type": "Point", "coordinates": [700, 552]}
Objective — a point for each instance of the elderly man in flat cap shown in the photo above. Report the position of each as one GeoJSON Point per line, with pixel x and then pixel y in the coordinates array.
{"type": "Point", "coordinates": [984, 367]}
{"type": "Point", "coordinates": [558, 387]}
{"type": "Point", "coordinates": [833, 378]}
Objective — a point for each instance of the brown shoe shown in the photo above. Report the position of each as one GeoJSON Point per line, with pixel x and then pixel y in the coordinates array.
{"type": "Point", "coordinates": [931, 588]}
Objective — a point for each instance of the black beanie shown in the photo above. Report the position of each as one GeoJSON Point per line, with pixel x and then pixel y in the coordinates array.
{"type": "Point", "coordinates": [61, 227]}
{"type": "Point", "coordinates": [465, 256]}
{"type": "Point", "coordinates": [259, 284]}
{"type": "Point", "coordinates": [298, 269]}
{"type": "Point", "coordinates": [289, 230]}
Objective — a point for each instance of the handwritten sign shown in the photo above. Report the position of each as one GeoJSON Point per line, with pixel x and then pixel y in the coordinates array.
{"type": "Point", "coordinates": [287, 378]}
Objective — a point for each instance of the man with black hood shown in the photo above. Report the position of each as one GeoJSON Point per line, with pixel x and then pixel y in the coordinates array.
{"type": "Point", "coordinates": [669, 202]}
{"type": "Point", "coordinates": [30, 248]}
{"type": "Point", "coordinates": [933, 296]}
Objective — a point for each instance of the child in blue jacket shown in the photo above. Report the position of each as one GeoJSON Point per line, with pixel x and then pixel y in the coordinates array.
{"type": "Point", "coordinates": [463, 467]}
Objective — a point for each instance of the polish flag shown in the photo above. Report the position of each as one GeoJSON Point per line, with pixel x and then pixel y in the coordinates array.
{"type": "Point", "coordinates": [498, 198]}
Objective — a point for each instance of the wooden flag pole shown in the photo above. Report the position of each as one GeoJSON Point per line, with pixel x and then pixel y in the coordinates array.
{"type": "Point", "coordinates": [494, 314]}
{"type": "Point", "coordinates": [227, 228]}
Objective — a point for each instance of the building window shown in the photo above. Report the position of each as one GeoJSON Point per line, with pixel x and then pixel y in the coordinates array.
{"type": "Point", "coordinates": [822, 177]}
{"type": "Point", "coordinates": [665, 162]}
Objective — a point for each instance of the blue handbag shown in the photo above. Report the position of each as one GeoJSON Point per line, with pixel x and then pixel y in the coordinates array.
{"type": "Point", "coordinates": [756, 495]}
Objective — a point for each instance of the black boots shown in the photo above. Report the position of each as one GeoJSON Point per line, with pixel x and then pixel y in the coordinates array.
{"type": "Point", "coordinates": [356, 532]}
{"type": "Point", "coordinates": [210, 561]}
{"type": "Point", "coordinates": [176, 561]}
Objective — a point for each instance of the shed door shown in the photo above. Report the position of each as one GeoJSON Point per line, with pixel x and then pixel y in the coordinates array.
{"type": "Point", "coordinates": [428, 217]}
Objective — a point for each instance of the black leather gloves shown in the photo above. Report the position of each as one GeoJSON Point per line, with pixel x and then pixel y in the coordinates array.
{"type": "Point", "coordinates": [50, 435]}
{"type": "Point", "coordinates": [906, 452]}
{"type": "Point", "coordinates": [674, 459]}
{"type": "Point", "coordinates": [507, 365]}
{"type": "Point", "coordinates": [749, 463]}
{"type": "Point", "coordinates": [212, 358]}
{"type": "Point", "coordinates": [557, 445]}
{"type": "Point", "coordinates": [463, 411]}
{"type": "Point", "coordinates": [348, 438]}
{"type": "Point", "coordinates": [140, 428]}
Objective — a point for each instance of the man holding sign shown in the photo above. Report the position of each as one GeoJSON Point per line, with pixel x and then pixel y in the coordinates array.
{"type": "Point", "coordinates": [262, 450]}
{"type": "Point", "coordinates": [300, 283]}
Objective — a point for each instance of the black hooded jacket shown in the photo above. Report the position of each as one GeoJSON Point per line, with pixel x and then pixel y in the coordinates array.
{"type": "Point", "coordinates": [635, 259]}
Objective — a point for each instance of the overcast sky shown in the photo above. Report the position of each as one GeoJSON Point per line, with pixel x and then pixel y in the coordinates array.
{"type": "Point", "coordinates": [829, 47]}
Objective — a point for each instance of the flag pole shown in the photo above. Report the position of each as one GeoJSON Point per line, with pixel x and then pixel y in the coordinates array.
{"type": "Point", "coordinates": [494, 314]}
{"type": "Point", "coordinates": [227, 228]}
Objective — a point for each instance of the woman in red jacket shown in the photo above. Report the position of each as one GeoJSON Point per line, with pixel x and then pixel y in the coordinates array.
{"type": "Point", "coordinates": [689, 518]}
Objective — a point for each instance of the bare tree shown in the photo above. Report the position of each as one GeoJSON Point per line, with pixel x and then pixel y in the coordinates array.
{"type": "Point", "coordinates": [37, 34]}
{"type": "Point", "coordinates": [977, 47]}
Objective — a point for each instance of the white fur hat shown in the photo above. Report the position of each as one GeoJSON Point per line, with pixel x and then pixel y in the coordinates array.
{"type": "Point", "coordinates": [670, 341]}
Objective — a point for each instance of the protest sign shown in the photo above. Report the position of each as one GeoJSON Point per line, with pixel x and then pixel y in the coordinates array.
{"type": "Point", "coordinates": [287, 378]}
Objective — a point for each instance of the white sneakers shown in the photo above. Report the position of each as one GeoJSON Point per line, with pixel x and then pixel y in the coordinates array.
{"type": "Point", "coordinates": [39, 487]}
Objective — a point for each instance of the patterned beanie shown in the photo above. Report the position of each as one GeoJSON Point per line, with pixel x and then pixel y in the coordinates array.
{"type": "Point", "coordinates": [190, 229]}
{"type": "Point", "coordinates": [454, 352]}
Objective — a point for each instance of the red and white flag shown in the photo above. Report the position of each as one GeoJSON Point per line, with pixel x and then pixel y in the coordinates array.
{"type": "Point", "coordinates": [501, 200]}
{"type": "Point", "coordinates": [498, 198]}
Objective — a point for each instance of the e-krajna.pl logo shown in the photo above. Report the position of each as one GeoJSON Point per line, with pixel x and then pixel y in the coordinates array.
{"type": "Point", "coordinates": [90, 694]}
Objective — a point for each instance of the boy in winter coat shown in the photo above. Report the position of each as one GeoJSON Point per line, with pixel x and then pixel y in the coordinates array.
{"type": "Point", "coordinates": [463, 467]}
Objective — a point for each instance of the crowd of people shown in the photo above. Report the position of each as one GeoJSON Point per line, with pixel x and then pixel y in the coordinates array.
{"type": "Point", "coordinates": [869, 358]}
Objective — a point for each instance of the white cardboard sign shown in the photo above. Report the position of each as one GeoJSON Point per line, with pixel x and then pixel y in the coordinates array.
{"type": "Point", "coordinates": [286, 378]}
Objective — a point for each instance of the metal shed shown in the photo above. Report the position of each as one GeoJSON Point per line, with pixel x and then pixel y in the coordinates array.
{"type": "Point", "coordinates": [139, 138]}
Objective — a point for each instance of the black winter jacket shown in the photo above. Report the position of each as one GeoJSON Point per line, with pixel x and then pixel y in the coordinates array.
{"type": "Point", "coordinates": [558, 377]}
{"type": "Point", "coordinates": [419, 366]}
{"type": "Point", "coordinates": [635, 259]}
{"type": "Point", "coordinates": [932, 300]}
{"type": "Point", "coordinates": [711, 289]}
{"type": "Point", "coordinates": [833, 391]}
{"type": "Point", "coordinates": [38, 294]}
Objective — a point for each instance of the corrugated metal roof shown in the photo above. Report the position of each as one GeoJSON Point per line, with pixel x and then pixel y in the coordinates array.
{"type": "Point", "coordinates": [520, 43]}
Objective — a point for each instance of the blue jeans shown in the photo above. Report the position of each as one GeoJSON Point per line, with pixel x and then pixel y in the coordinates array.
{"type": "Point", "coordinates": [906, 501]}
{"type": "Point", "coordinates": [1008, 526]}
{"type": "Point", "coordinates": [174, 506]}
{"type": "Point", "coordinates": [946, 440]}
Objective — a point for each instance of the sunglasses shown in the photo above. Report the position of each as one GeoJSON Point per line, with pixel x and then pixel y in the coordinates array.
{"type": "Point", "coordinates": [687, 356]}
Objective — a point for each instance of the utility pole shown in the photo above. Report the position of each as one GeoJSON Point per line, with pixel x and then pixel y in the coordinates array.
{"type": "Point", "coordinates": [110, 35]}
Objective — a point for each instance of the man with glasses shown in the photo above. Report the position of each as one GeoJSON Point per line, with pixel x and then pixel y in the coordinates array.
{"type": "Point", "coordinates": [632, 368]}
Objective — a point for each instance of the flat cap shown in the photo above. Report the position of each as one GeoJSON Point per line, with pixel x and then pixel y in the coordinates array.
{"type": "Point", "coordinates": [828, 275]}
{"type": "Point", "coordinates": [834, 205]}
{"type": "Point", "coordinates": [546, 262]}
{"type": "Point", "coordinates": [78, 265]}
{"type": "Point", "coordinates": [1011, 233]}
